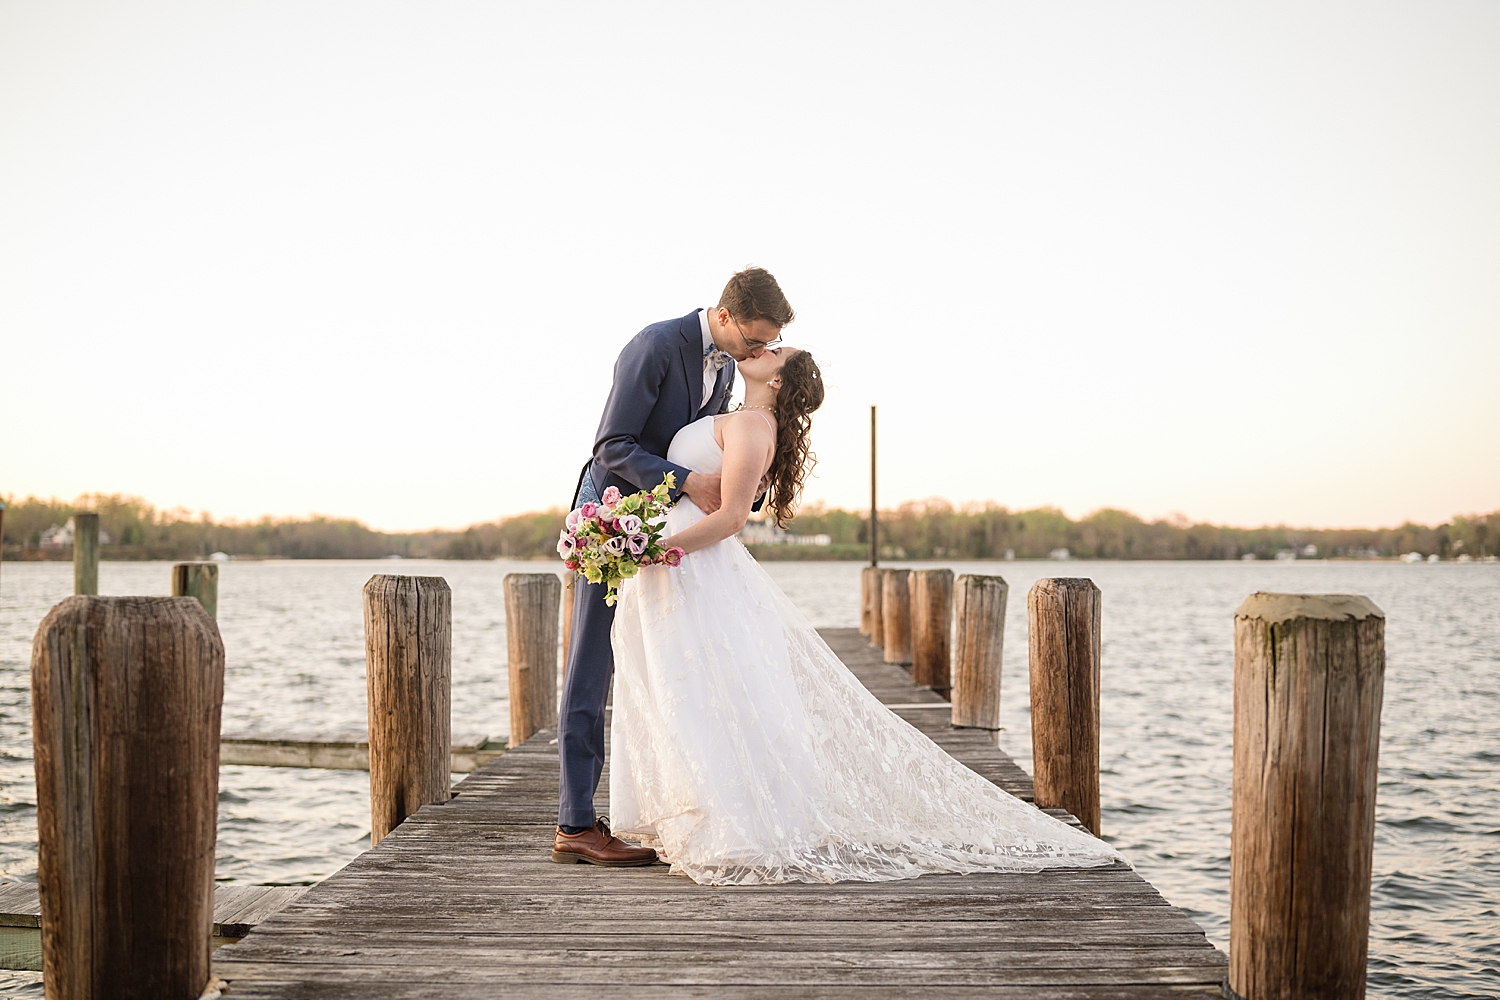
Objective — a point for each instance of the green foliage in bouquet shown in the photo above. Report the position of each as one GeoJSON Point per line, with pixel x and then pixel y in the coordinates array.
{"type": "Point", "coordinates": [609, 542]}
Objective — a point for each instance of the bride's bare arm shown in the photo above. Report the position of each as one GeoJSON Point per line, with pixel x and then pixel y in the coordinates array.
{"type": "Point", "coordinates": [748, 445]}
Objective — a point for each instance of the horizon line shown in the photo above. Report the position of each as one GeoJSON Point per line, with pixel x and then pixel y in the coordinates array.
{"type": "Point", "coordinates": [1175, 519]}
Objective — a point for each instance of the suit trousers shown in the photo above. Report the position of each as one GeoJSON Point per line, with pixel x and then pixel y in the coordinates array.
{"type": "Point", "coordinates": [586, 675]}
{"type": "Point", "coordinates": [580, 722]}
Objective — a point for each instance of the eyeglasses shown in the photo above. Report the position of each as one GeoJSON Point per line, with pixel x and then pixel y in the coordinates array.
{"type": "Point", "coordinates": [751, 345]}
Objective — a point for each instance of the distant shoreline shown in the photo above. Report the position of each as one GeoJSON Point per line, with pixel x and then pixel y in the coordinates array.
{"type": "Point", "coordinates": [762, 553]}
{"type": "Point", "coordinates": [133, 530]}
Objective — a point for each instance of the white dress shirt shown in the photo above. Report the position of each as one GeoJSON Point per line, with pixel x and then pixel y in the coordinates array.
{"type": "Point", "coordinates": [710, 373]}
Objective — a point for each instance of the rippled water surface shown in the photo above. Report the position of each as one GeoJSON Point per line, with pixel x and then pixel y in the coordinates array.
{"type": "Point", "coordinates": [292, 634]}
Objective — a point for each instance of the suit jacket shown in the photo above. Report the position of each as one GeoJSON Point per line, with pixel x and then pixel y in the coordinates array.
{"type": "Point", "coordinates": [656, 392]}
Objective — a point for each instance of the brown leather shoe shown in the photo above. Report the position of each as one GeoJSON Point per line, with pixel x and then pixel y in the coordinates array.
{"type": "Point", "coordinates": [598, 846]}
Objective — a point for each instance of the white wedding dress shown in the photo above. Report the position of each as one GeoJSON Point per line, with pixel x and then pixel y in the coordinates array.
{"type": "Point", "coordinates": [747, 753]}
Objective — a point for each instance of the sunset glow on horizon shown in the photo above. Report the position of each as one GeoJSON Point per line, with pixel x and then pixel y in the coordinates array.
{"type": "Point", "coordinates": [1238, 265]}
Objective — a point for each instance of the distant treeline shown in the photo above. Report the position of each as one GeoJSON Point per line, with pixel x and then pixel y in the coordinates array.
{"type": "Point", "coordinates": [932, 529]}
{"type": "Point", "coordinates": [935, 529]}
{"type": "Point", "coordinates": [138, 530]}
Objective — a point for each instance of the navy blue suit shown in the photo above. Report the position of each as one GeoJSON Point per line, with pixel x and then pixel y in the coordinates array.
{"type": "Point", "coordinates": [657, 391]}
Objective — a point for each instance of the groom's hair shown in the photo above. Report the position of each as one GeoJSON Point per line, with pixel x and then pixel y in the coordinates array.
{"type": "Point", "coordinates": [753, 294]}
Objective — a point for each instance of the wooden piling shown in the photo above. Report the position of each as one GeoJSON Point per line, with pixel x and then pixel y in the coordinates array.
{"type": "Point", "coordinates": [408, 676]}
{"type": "Point", "coordinates": [874, 514]}
{"type": "Point", "coordinates": [531, 601]}
{"type": "Point", "coordinates": [895, 614]}
{"type": "Point", "coordinates": [869, 599]}
{"type": "Point", "coordinates": [199, 580]}
{"type": "Point", "coordinates": [126, 695]}
{"type": "Point", "coordinates": [978, 647]}
{"type": "Point", "coordinates": [1063, 625]}
{"type": "Point", "coordinates": [1309, 674]}
{"type": "Point", "coordinates": [931, 625]}
{"type": "Point", "coordinates": [877, 607]}
{"type": "Point", "coordinates": [85, 553]}
{"type": "Point", "coordinates": [569, 580]}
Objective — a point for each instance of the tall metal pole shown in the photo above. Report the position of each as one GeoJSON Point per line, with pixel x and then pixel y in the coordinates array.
{"type": "Point", "coordinates": [874, 519]}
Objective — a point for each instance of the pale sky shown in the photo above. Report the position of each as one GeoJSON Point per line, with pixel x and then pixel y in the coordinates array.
{"type": "Point", "coordinates": [376, 260]}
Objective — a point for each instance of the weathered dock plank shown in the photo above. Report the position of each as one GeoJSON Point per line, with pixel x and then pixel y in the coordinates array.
{"type": "Point", "coordinates": [461, 901]}
{"type": "Point", "coordinates": [342, 751]}
{"type": "Point", "coordinates": [237, 909]}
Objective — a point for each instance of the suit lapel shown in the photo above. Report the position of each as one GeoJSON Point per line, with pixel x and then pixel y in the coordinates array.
{"type": "Point", "coordinates": [692, 362]}
{"type": "Point", "coordinates": [692, 365]}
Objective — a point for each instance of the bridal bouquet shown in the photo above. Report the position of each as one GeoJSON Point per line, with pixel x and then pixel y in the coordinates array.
{"type": "Point", "coordinates": [610, 541]}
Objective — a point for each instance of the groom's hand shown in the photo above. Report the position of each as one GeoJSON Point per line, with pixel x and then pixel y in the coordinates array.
{"type": "Point", "coordinates": [704, 489]}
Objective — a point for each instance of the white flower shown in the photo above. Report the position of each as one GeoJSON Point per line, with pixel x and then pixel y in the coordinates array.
{"type": "Point", "coordinates": [566, 545]}
{"type": "Point", "coordinates": [630, 524]}
{"type": "Point", "coordinates": [615, 546]}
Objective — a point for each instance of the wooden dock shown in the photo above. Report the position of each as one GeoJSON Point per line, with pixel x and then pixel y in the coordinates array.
{"type": "Point", "coordinates": [462, 901]}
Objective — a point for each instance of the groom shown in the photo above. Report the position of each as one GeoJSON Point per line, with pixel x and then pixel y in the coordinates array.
{"type": "Point", "coordinates": [669, 375]}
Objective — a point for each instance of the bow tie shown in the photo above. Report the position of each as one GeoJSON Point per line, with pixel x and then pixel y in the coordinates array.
{"type": "Point", "coordinates": [716, 357]}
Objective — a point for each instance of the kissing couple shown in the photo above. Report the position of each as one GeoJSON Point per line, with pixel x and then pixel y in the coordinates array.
{"type": "Point", "coordinates": [743, 751]}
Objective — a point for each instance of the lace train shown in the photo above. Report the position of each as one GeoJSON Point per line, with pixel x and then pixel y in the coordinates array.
{"type": "Point", "coordinates": [747, 753]}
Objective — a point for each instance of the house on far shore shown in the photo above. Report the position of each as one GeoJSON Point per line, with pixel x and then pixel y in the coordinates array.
{"type": "Point", "coordinates": [767, 533]}
{"type": "Point", "coordinates": [60, 536]}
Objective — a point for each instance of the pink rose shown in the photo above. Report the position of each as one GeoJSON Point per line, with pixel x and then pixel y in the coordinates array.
{"type": "Point", "coordinates": [674, 556]}
{"type": "Point", "coordinates": [611, 496]}
{"type": "Point", "coordinates": [588, 510]}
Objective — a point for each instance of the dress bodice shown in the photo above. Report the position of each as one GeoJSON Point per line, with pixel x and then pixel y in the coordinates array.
{"type": "Point", "coordinates": [695, 448]}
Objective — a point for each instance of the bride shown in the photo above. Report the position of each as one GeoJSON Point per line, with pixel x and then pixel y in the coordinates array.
{"type": "Point", "coordinates": [742, 748]}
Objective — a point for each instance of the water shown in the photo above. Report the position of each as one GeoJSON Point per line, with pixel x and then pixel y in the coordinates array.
{"type": "Point", "coordinates": [292, 632]}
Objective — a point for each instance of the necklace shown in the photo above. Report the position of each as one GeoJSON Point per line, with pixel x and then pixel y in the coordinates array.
{"type": "Point", "coordinates": [756, 406]}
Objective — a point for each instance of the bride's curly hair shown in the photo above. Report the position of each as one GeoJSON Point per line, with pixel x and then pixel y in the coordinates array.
{"type": "Point", "coordinates": [801, 393]}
